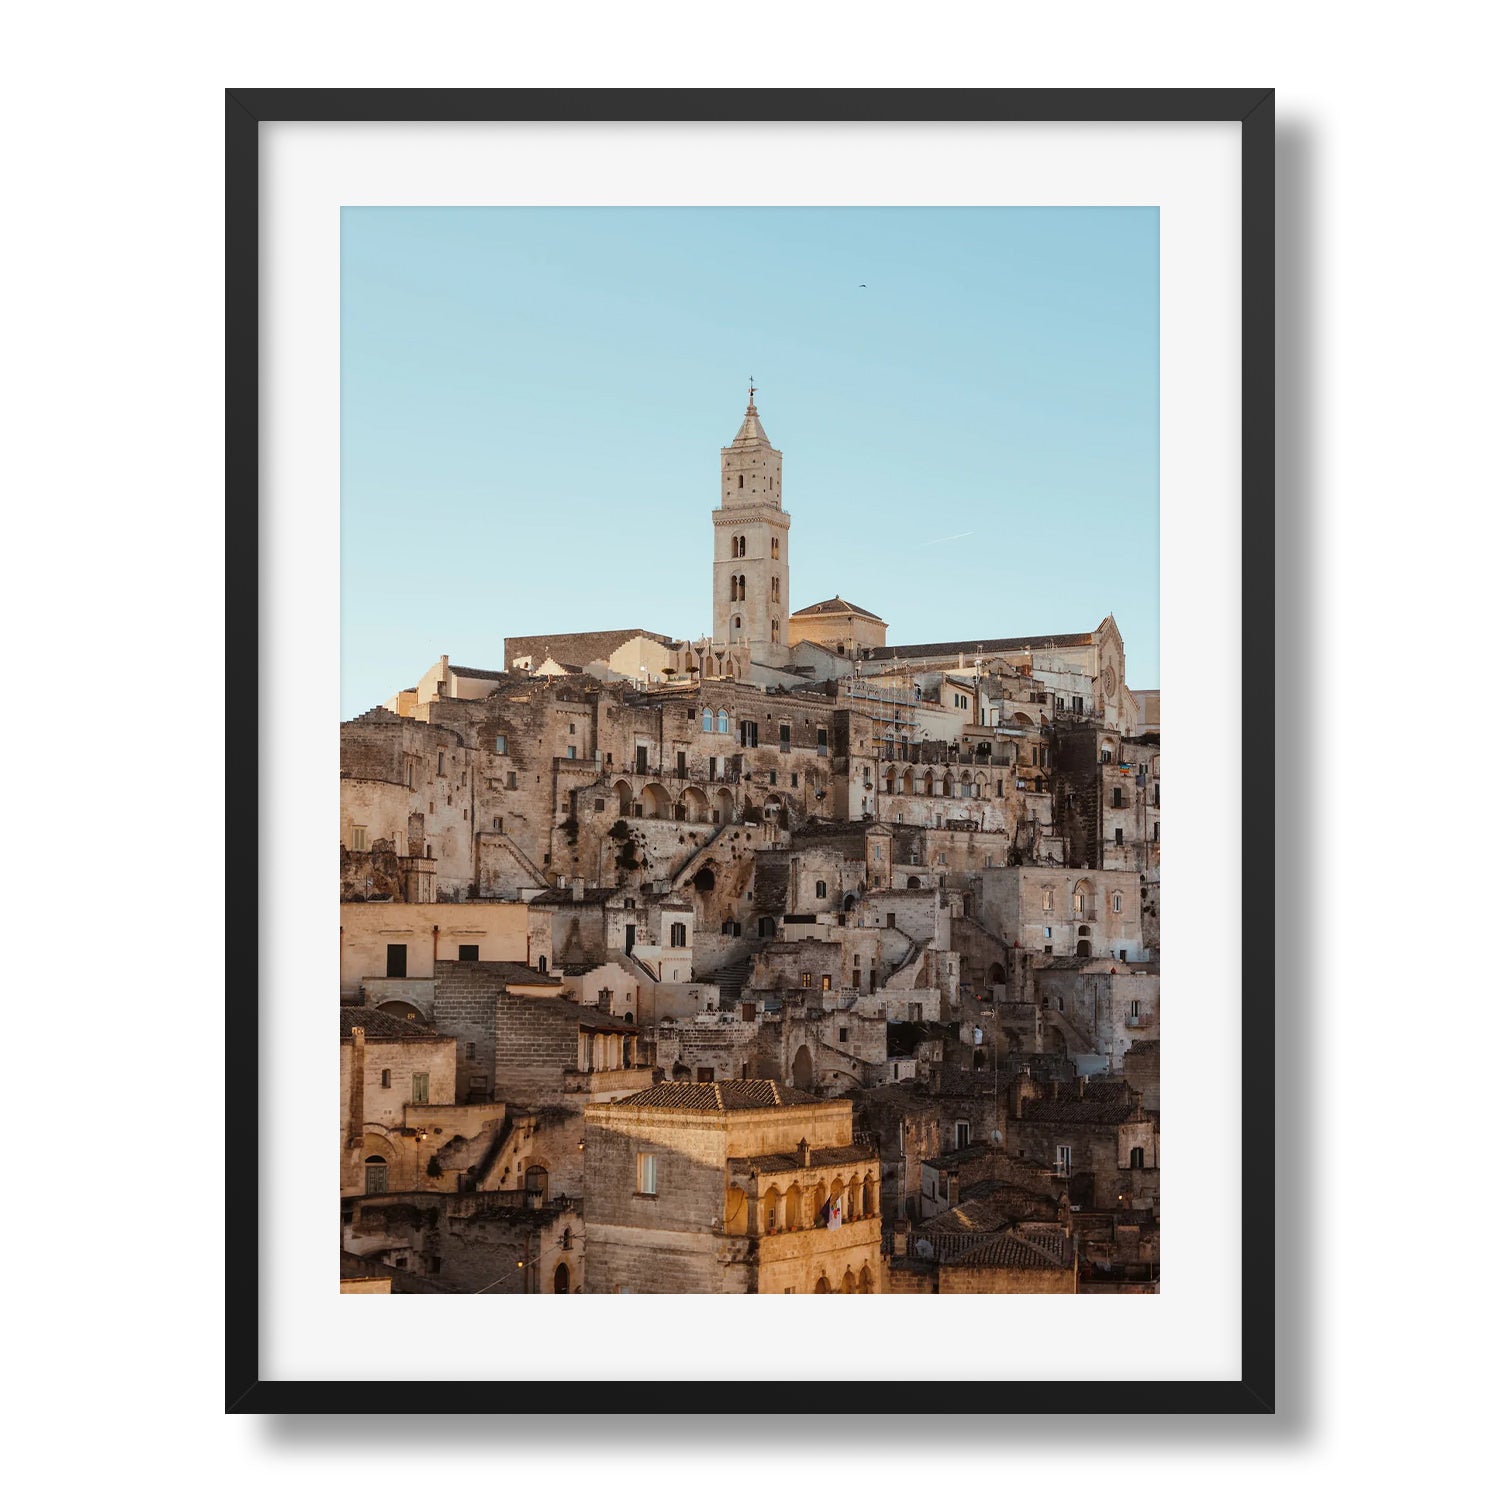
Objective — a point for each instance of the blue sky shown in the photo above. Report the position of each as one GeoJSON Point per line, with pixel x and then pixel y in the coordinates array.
{"type": "Point", "coordinates": [533, 403]}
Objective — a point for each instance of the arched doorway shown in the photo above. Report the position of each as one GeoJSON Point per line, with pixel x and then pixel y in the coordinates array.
{"type": "Point", "coordinates": [536, 1182]}
{"type": "Point", "coordinates": [723, 806]}
{"type": "Point", "coordinates": [822, 1285]}
{"type": "Point", "coordinates": [802, 1069]}
{"type": "Point", "coordinates": [561, 1279]}
{"type": "Point", "coordinates": [655, 801]}
{"type": "Point", "coordinates": [848, 1286]}
{"type": "Point", "coordinates": [623, 797]}
{"type": "Point", "coordinates": [912, 883]}
{"type": "Point", "coordinates": [1085, 948]}
{"type": "Point", "coordinates": [377, 1176]}
{"type": "Point", "coordinates": [695, 805]}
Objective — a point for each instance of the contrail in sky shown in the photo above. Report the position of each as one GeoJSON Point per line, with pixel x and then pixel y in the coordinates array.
{"type": "Point", "coordinates": [957, 536]}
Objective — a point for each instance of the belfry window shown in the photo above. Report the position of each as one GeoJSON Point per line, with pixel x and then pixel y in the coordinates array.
{"type": "Point", "coordinates": [775, 547]}
{"type": "Point", "coordinates": [742, 481]}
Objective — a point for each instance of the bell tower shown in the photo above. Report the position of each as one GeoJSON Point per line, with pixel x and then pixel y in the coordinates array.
{"type": "Point", "coordinates": [750, 546]}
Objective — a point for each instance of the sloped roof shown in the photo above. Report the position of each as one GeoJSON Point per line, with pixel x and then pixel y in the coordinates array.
{"type": "Point", "coordinates": [1012, 1251]}
{"type": "Point", "coordinates": [379, 1025]}
{"type": "Point", "coordinates": [717, 1098]}
{"type": "Point", "coordinates": [476, 672]}
{"type": "Point", "coordinates": [980, 648]}
{"type": "Point", "coordinates": [837, 606]}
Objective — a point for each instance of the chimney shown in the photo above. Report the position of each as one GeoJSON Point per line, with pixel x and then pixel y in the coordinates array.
{"type": "Point", "coordinates": [804, 1153]}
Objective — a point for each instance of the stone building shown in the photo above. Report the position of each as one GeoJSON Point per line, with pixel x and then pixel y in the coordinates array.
{"type": "Point", "coordinates": [730, 1187]}
{"type": "Point", "coordinates": [1099, 1139]}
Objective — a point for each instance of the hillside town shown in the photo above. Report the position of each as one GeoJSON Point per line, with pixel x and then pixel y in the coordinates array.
{"type": "Point", "coordinates": [776, 959]}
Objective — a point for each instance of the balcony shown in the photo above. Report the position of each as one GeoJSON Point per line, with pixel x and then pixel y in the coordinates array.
{"type": "Point", "coordinates": [607, 1080]}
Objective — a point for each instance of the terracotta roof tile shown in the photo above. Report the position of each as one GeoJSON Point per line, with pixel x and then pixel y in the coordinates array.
{"type": "Point", "coordinates": [715, 1098]}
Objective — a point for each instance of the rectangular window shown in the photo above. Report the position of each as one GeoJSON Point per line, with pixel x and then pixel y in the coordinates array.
{"type": "Point", "coordinates": [786, 739]}
{"type": "Point", "coordinates": [642, 753]}
{"type": "Point", "coordinates": [822, 742]}
{"type": "Point", "coordinates": [1077, 705]}
{"type": "Point", "coordinates": [794, 780]}
{"type": "Point", "coordinates": [510, 781]}
{"type": "Point", "coordinates": [468, 953]}
{"type": "Point", "coordinates": [500, 744]}
{"type": "Point", "coordinates": [1119, 836]}
{"type": "Point", "coordinates": [843, 1033]}
{"type": "Point", "coordinates": [890, 919]}
{"type": "Point", "coordinates": [1156, 833]}
{"type": "Point", "coordinates": [828, 981]}
{"type": "Point", "coordinates": [682, 764]}
{"type": "Point", "coordinates": [1064, 1160]}
{"type": "Point", "coordinates": [806, 980]}
{"type": "Point", "coordinates": [440, 770]}
{"type": "Point", "coordinates": [470, 1051]}
{"type": "Point", "coordinates": [419, 1088]}
{"type": "Point", "coordinates": [961, 1134]}
{"type": "Point", "coordinates": [572, 752]}
{"type": "Point", "coordinates": [773, 778]}
{"type": "Point", "coordinates": [749, 734]}
{"type": "Point", "coordinates": [500, 823]}
{"type": "Point", "coordinates": [645, 1173]}
{"type": "Point", "coordinates": [395, 960]}
{"type": "Point", "coordinates": [385, 1078]}
{"type": "Point", "coordinates": [705, 1075]}
{"type": "Point", "coordinates": [359, 845]}
{"type": "Point", "coordinates": [1117, 798]}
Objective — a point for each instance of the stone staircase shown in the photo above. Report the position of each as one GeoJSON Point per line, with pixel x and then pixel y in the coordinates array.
{"type": "Point", "coordinates": [731, 979]}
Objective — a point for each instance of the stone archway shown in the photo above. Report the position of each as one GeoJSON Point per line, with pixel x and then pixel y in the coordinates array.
{"type": "Point", "coordinates": [723, 805]}
{"type": "Point", "coordinates": [562, 1279]}
{"type": "Point", "coordinates": [802, 1069]}
{"type": "Point", "coordinates": [655, 802]}
{"type": "Point", "coordinates": [695, 805]}
{"type": "Point", "coordinates": [624, 796]}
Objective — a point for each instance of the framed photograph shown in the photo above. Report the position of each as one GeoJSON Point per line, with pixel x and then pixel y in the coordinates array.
{"type": "Point", "coordinates": [706, 925]}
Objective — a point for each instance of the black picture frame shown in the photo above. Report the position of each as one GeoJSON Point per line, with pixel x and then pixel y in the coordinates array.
{"type": "Point", "coordinates": [1254, 110]}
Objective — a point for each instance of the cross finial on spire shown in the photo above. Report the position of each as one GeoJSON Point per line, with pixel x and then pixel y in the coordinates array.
{"type": "Point", "coordinates": [752, 390]}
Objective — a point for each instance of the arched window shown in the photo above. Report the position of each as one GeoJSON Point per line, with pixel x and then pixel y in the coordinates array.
{"type": "Point", "coordinates": [736, 622]}
{"type": "Point", "coordinates": [821, 889]}
{"type": "Point", "coordinates": [775, 587]}
{"type": "Point", "coordinates": [723, 721]}
{"type": "Point", "coordinates": [1117, 902]}
{"type": "Point", "coordinates": [536, 1181]}
{"type": "Point", "coordinates": [775, 546]}
{"type": "Point", "coordinates": [708, 721]}
{"type": "Point", "coordinates": [775, 630]}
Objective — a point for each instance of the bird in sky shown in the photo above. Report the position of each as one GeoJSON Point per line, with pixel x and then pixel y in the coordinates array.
{"type": "Point", "coordinates": [861, 283]}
